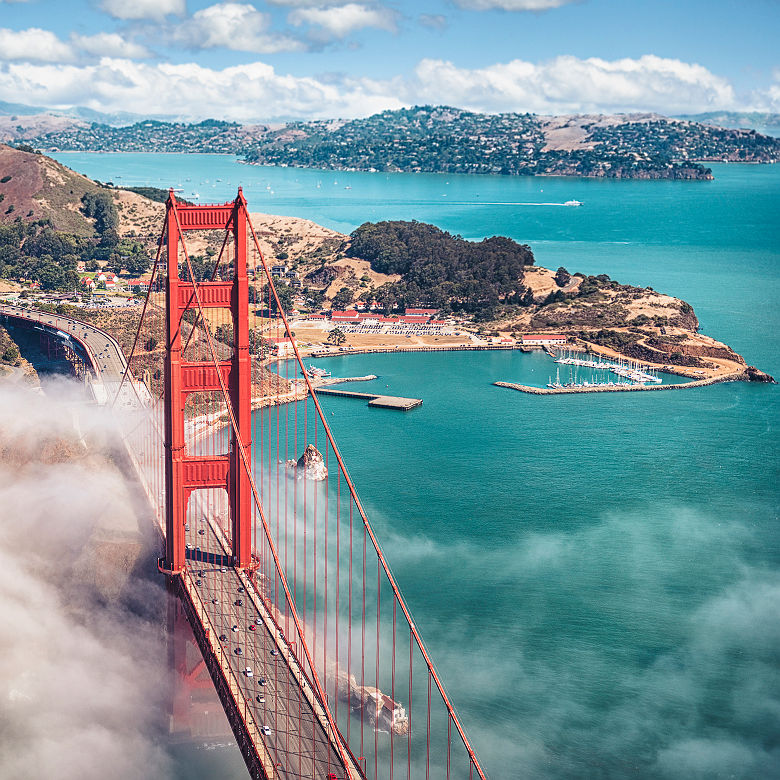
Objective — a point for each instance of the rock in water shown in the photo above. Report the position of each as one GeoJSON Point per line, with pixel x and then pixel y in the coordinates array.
{"type": "Point", "coordinates": [311, 465]}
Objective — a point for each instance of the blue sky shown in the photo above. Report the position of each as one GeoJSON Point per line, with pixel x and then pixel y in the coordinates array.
{"type": "Point", "coordinates": [265, 59]}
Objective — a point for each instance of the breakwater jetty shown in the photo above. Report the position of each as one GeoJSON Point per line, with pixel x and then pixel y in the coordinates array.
{"type": "Point", "coordinates": [338, 380]}
{"type": "Point", "coordinates": [375, 399]}
{"type": "Point", "coordinates": [617, 388]}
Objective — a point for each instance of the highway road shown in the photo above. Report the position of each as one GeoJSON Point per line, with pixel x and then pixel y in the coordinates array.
{"type": "Point", "coordinates": [102, 351]}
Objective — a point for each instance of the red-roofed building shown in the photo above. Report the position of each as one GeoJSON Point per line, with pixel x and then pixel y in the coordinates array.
{"type": "Point", "coordinates": [345, 316]}
{"type": "Point", "coordinates": [142, 284]}
{"type": "Point", "coordinates": [421, 312]}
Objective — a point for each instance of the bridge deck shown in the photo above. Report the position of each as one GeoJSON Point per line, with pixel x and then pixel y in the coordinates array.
{"type": "Point", "coordinates": [277, 695]}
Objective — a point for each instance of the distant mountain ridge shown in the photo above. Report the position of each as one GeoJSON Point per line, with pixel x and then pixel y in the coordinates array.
{"type": "Point", "coordinates": [760, 121]}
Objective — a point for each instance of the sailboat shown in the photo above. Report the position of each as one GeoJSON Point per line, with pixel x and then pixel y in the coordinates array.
{"type": "Point", "coordinates": [556, 385]}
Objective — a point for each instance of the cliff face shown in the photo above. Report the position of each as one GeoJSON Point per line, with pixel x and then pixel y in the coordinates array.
{"type": "Point", "coordinates": [13, 366]}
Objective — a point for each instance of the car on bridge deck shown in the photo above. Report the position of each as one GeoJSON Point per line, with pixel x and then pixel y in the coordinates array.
{"type": "Point", "coordinates": [266, 730]}
{"type": "Point", "coordinates": [248, 672]}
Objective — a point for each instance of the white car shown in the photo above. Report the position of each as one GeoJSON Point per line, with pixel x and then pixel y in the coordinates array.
{"type": "Point", "coordinates": [266, 730]}
{"type": "Point", "coordinates": [248, 672]}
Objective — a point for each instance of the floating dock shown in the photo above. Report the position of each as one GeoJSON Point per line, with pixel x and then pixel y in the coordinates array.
{"type": "Point", "coordinates": [375, 399]}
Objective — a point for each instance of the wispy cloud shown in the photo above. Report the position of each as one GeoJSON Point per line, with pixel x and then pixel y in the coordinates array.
{"type": "Point", "coordinates": [642, 644]}
{"type": "Point", "coordinates": [434, 21]}
{"type": "Point", "coordinates": [143, 9]}
{"type": "Point", "coordinates": [110, 45]}
{"type": "Point", "coordinates": [512, 5]}
{"type": "Point", "coordinates": [82, 676]}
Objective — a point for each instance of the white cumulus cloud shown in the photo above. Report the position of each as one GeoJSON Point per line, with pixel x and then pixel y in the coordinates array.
{"type": "Point", "coordinates": [570, 85]}
{"type": "Point", "coordinates": [110, 45]}
{"type": "Point", "coordinates": [340, 21]}
{"type": "Point", "coordinates": [244, 92]}
{"type": "Point", "coordinates": [33, 45]}
{"type": "Point", "coordinates": [511, 5]}
{"type": "Point", "coordinates": [256, 91]}
{"type": "Point", "coordinates": [237, 26]}
{"type": "Point", "coordinates": [143, 9]}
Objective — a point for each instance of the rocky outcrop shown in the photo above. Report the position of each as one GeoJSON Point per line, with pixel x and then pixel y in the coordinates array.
{"type": "Point", "coordinates": [311, 465]}
{"type": "Point", "coordinates": [752, 374]}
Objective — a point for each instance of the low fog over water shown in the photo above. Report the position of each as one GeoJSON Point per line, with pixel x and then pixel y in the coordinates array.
{"type": "Point", "coordinates": [82, 659]}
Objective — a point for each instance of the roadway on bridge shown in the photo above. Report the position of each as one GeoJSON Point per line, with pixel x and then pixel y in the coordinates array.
{"type": "Point", "coordinates": [272, 692]}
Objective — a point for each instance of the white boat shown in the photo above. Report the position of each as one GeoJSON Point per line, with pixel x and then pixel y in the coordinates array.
{"type": "Point", "coordinates": [573, 203]}
{"type": "Point", "coordinates": [317, 373]}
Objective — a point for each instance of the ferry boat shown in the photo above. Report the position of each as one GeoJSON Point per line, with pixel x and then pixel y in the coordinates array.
{"type": "Point", "coordinates": [317, 373]}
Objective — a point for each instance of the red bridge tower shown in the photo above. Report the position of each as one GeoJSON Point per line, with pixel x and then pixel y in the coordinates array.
{"type": "Point", "coordinates": [185, 473]}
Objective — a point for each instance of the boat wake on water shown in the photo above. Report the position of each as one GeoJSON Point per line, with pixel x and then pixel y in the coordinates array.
{"type": "Point", "coordinates": [568, 203]}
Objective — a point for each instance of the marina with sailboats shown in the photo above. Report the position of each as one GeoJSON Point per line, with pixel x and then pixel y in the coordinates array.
{"type": "Point", "coordinates": [628, 372]}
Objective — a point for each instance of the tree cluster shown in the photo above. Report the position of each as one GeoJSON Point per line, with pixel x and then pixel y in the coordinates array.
{"type": "Point", "coordinates": [37, 252]}
{"type": "Point", "coordinates": [440, 270]}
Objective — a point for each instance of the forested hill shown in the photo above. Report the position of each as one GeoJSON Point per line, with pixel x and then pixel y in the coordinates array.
{"type": "Point", "coordinates": [440, 270]}
{"type": "Point", "coordinates": [439, 139]}
{"type": "Point", "coordinates": [52, 218]}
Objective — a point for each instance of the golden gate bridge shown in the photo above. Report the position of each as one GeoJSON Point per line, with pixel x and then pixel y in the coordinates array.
{"type": "Point", "coordinates": [312, 649]}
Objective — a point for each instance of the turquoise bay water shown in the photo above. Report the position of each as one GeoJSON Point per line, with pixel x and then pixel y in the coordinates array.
{"type": "Point", "coordinates": [597, 577]}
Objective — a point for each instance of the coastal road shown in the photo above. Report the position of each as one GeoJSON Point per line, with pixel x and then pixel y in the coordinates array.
{"type": "Point", "coordinates": [102, 351]}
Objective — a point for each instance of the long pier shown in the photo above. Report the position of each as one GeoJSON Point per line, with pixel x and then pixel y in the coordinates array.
{"type": "Point", "coordinates": [616, 388]}
{"type": "Point", "coordinates": [375, 399]}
